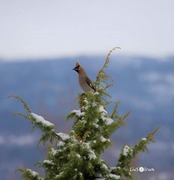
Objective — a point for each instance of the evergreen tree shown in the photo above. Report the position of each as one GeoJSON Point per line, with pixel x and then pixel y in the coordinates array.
{"type": "Point", "coordinates": [76, 155]}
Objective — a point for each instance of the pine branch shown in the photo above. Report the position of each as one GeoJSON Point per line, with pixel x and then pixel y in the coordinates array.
{"type": "Point", "coordinates": [115, 110]}
{"type": "Point", "coordinates": [142, 144]}
{"type": "Point", "coordinates": [107, 61]}
{"type": "Point", "coordinates": [101, 73]}
{"type": "Point", "coordinates": [46, 127]}
{"type": "Point", "coordinates": [127, 155]}
{"type": "Point", "coordinates": [22, 102]}
{"type": "Point", "coordinates": [28, 174]}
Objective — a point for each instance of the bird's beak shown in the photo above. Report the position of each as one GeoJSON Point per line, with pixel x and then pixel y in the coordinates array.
{"type": "Point", "coordinates": [74, 69]}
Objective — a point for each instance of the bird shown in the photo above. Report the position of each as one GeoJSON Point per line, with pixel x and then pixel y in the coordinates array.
{"type": "Point", "coordinates": [84, 80]}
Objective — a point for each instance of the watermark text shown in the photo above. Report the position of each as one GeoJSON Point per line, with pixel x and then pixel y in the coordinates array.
{"type": "Point", "coordinates": [141, 169]}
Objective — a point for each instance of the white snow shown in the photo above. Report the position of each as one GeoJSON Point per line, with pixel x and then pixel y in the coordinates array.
{"type": "Point", "coordinates": [143, 139]}
{"type": "Point", "coordinates": [104, 166]}
{"type": "Point", "coordinates": [96, 93]}
{"type": "Point", "coordinates": [60, 143]}
{"type": "Point", "coordinates": [53, 151]}
{"type": "Point", "coordinates": [63, 136]}
{"type": "Point", "coordinates": [48, 162]}
{"type": "Point", "coordinates": [94, 141]}
{"type": "Point", "coordinates": [85, 101]}
{"type": "Point", "coordinates": [102, 139]}
{"type": "Point", "coordinates": [92, 155]}
{"type": "Point", "coordinates": [94, 104]}
{"type": "Point", "coordinates": [78, 113]}
{"type": "Point", "coordinates": [109, 121]}
{"type": "Point", "coordinates": [59, 175]}
{"type": "Point", "coordinates": [102, 110]}
{"type": "Point", "coordinates": [95, 125]}
{"type": "Point", "coordinates": [91, 152]}
{"type": "Point", "coordinates": [80, 174]}
{"type": "Point", "coordinates": [78, 155]}
{"type": "Point", "coordinates": [126, 150]}
{"type": "Point", "coordinates": [104, 116]}
{"type": "Point", "coordinates": [87, 145]}
{"type": "Point", "coordinates": [86, 107]}
{"type": "Point", "coordinates": [40, 119]}
{"type": "Point", "coordinates": [114, 176]}
{"type": "Point", "coordinates": [118, 167]}
{"type": "Point", "coordinates": [34, 174]}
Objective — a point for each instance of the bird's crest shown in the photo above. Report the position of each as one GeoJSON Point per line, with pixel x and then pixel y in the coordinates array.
{"type": "Point", "coordinates": [77, 64]}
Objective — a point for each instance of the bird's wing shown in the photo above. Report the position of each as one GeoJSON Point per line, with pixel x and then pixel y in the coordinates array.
{"type": "Point", "coordinates": [89, 82]}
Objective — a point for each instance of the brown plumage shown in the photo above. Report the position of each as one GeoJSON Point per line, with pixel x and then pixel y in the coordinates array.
{"type": "Point", "coordinates": [84, 80]}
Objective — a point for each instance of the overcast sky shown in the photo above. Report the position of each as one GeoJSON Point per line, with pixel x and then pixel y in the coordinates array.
{"type": "Point", "coordinates": [52, 28]}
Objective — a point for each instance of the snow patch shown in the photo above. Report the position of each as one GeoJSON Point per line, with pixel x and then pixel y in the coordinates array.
{"type": "Point", "coordinates": [87, 145]}
{"type": "Point", "coordinates": [95, 125]}
{"type": "Point", "coordinates": [92, 155]}
{"type": "Point", "coordinates": [80, 174]}
{"type": "Point", "coordinates": [48, 162]}
{"type": "Point", "coordinates": [53, 152]}
{"type": "Point", "coordinates": [104, 166]}
{"type": "Point", "coordinates": [34, 174]}
{"type": "Point", "coordinates": [78, 113]}
{"type": "Point", "coordinates": [96, 93]}
{"type": "Point", "coordinates": [63, 136]}
{"type": "Point", "coordinates": [94, 104]}
{"type": "Point", "coordinates": [91, 152]}
{"type": "Point", "coordinates": [59, 175]}
{"type": "Point", "coordinates": [102, 110]}
{"type": "Point", "coordinates": [85, 101]}
{"type": "Point", "coordinates": [109, 121]}
{"type": "Point", "coordinates": [114, 176]}
{"type": "Point", "coordinates": [40, 119]}
{"type": "Point", "coordinates": [78, 155]}
{"type": "Point", "coordinates": [60, 143]}
{"type": "Point", "coordinates": [102, 139]}
{"type": "Point", "coordinates": [104, 116]}
{"type": "Point", "coordinates": [126, 150]}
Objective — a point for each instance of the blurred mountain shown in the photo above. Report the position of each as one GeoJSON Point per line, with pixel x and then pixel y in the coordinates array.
{"type": "Point", "coordinates": [143, 85]}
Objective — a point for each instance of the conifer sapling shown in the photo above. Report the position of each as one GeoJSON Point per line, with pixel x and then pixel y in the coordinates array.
{"type": "Point", "coordinates": [77, 154]}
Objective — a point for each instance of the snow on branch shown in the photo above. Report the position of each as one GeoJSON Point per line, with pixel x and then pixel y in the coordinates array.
{"type": "Point", "coordinates": [63, 136]}
{"type": "Point", "coordinates": [40, 120]}
{"type": "Point", "coordinates": [30, 174]}
{"type": "Point", "coordinates": [78, 113]}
